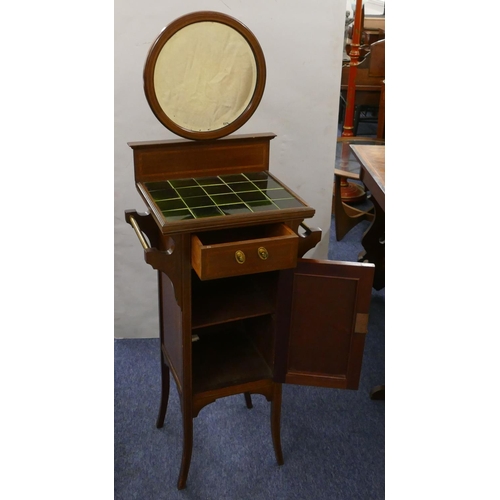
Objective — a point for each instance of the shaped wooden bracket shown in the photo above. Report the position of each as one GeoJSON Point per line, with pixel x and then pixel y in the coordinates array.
{"type": "Point", "coordinates": [309, 239]}
{"type": "Point", "coordinates": [161, 260]}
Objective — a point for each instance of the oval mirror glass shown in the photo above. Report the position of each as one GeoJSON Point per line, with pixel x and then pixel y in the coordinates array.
{"type": "Point", "coordinates": [204, 76]}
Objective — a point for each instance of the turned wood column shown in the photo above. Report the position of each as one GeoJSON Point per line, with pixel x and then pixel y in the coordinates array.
{"type": "Point", "coordinates": [348, 129]}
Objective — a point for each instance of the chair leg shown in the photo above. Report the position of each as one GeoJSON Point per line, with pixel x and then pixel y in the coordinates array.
{"type": "Point", "coordinates": [248, 400]}
{"type": "Point", "coordinates": [276, 423]}
{"type": "Point", "coordinates": [165, 391]}
{"type": "Point", "coordinates": [378, 393]}
{"type": "Point", "coordinates": [373, 242]}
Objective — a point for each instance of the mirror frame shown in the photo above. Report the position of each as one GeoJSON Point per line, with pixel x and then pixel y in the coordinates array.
{"type": "Point", "coordinates": [164, 37]}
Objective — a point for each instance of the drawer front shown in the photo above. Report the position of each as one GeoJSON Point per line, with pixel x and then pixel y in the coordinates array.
{"type": "Point", "coordinates": [236, 258]}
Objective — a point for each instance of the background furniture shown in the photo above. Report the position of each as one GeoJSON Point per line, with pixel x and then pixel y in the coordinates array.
{"type": "Point", "coordinates": [347, 177]}
{"type": "Point", "coordinates": [370, 74]}
{"type": "Point", "coordinates": [369, 34]}
{"type": "Point", "coordinates": [355, 54]}
{"type": "Point", "coordinates": [381, 113]}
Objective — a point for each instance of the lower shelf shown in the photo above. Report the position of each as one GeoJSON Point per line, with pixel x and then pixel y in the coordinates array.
{"type": "Point", "coordinates": [231, 299]}
{"type": "Point", "coordinates": [226, 359]}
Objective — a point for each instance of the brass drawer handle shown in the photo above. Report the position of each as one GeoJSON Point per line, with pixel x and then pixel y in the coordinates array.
{"type": "Point", "coordinates": [239, 256]}
{"type": "Point", "coordinates": [263, 253]}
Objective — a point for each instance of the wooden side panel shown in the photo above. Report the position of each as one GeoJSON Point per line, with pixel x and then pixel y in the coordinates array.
{"type": "Point", "coordinates": [171, 328]}
{"type": "Point", "coordinates": [322, 322]}
{"type": "Point", "coordinates": [175, 307]}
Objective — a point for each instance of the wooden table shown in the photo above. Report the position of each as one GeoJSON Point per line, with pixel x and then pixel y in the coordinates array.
{"type": "Point", "coordinates": [372, 174]}
{"type": "Point", "coordinates": [372, 159]}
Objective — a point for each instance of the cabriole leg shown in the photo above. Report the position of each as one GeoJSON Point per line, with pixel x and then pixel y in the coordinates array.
{"type": "Point", "coordinates": [248, 400]}
{"type": "Point", "coordinates": [276, 423]}
{"type": "Point", "coordinates": [165, 391]}
{"type": "Point", "coordinates": [187, 448]}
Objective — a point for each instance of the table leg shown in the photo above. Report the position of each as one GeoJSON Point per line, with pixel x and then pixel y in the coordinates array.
{"type": "Point", "coordinates": [374, 246]}
{"type": "Point", "coordinates": [378, 392]}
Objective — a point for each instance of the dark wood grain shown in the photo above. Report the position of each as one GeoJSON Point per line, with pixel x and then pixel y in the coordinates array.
{"type": "Point", "coordinates": [325, 312]}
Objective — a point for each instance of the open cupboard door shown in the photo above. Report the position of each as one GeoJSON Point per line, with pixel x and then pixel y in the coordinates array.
{"type": "Point", "coordinates": [322, 320]}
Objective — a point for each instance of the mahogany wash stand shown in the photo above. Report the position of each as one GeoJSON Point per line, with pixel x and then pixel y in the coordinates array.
{"type": "Point", "coordinates": [240, 310]}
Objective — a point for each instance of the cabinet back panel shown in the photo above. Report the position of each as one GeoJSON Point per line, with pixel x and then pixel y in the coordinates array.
{"type": "Point", "coordinates": [181, 159]}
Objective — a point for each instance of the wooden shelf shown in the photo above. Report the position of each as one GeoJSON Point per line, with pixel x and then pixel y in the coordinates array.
{"type": "Point", "coordinates": [230, 299]}
{"type": "Point", "coordinates": [225, 359]}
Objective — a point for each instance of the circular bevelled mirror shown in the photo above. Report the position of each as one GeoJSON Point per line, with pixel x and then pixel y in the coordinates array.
{"type": "Point", "coordinates": [204, 75]}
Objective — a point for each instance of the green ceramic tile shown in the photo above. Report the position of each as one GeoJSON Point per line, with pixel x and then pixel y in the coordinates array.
{"type": "Point", "coordinates": [202, 212]}
{"type": "Point", "coordinates": [255, 176]}
{"type": "Point", "coordinates": [175, 215]}
{"type": "Point", "coordinates": [233, 178]}
{"type": "Point", "coordinates": [199, 201]}
{"type": "Point", "coordinates": [153, 186]}
{"type": "Point", "coordinates": [252, 196]}
{"type": "Point", "coordinates": [277, 194]}
{"type": "Point", "coordinates": [164, 194]}
{"type": "Point", "coordinates": [173, 204]}
{"type": "Point", "coordinates": [288, 203]}
{"type": "Point", "coordinates": [267, 184]}
{"type": "Point", "coordinates": [242, 186]}
{"type": "Point", "coordinates": [220, 189]}
{"type": "Point", "coordinates": [235, 209]}
{"type": "Point", "coordinates": [262, 206]}
{"type": "Point", "coordinates": [262, 203]}
{"type": "Point", "coordinates": [225, 199]}
{"type": "Point", "coordinates": [189, 192]}
{"type": "Point", "coordinates": [177, 183]}
{"type": "Point", "coordinates": [208, 181]}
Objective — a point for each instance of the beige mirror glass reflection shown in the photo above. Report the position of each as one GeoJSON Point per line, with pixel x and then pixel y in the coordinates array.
{"type": "Point", "coordinates": [205, 76]}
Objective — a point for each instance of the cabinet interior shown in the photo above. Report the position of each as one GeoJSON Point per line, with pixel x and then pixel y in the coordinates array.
{"type": "Point", "coordinates": [233, 319]}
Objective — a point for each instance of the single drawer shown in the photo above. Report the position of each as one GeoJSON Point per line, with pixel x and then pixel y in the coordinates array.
{"type": "Point", "coordinates": [234, 252]}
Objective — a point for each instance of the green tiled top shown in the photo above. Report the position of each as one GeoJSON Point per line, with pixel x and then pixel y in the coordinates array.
{"type": "Point", "coordinates": [195, 198]}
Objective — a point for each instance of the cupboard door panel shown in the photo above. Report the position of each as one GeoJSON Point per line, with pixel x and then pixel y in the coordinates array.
{"type": "Point", "coordinates": [322, 321]}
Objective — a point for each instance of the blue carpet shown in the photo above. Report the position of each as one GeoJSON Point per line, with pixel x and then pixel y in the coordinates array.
{"type": "Point", "coordinates": [332, 440]}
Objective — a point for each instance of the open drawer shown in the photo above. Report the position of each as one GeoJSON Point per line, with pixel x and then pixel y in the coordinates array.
{"type": "Point", "coordinates": [248, 250]}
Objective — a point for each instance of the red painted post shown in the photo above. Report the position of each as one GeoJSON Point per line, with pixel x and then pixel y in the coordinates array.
{"type": "Point", "coordinates": [348, 129]}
